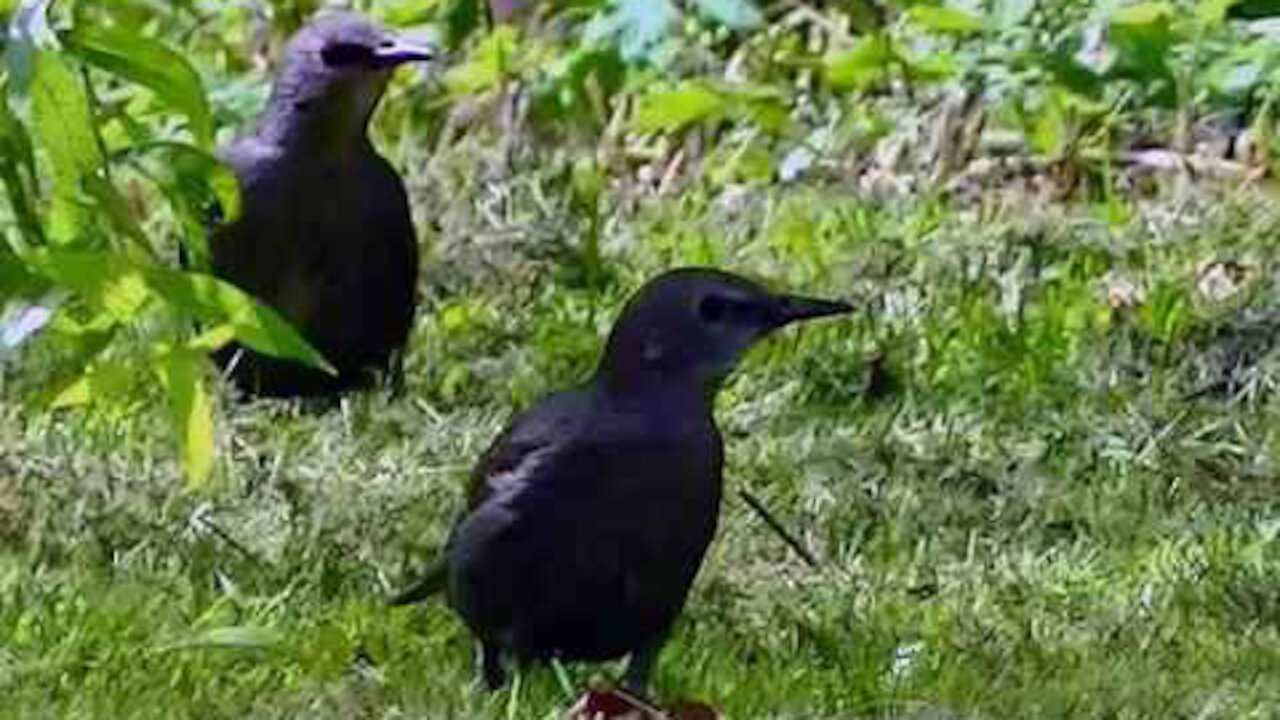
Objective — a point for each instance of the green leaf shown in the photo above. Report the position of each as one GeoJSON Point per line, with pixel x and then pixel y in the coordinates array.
{"type": "Point", "coordinates": [945, 19]}
{"type": "Point", "coordinates": [108, 282]}
{"type": "Point", "coordinates": [1143, 39]}
{"type": "Point", "coordinates": [213, 339]}
{"type": "Point", "coordinates": [17, 279]}
{"type": "Point", "coordinates": [733, 14]}
{"type": "Point", "coordinates": [77, 393]}
{"type": "Point", "coordinates": [61, 119]}
{"type": "Point", "coordinates": [62, 124]}
{"type": "Point", "coordinates": [149, 63]}
{"type": "Point", "coordinates": [181, 373]}
{"type": "Point", "coordinates": [215, 302]}
{"type": "Point", "coordinates": [667, 111]}
{"type": "Point", "coordinates": [16, 143]}
{"type": "Point", "coordinates": [121, 288]}
{"type": "Point", "coordinates": [18, 172]}
{"type": "Point", "coordinates": [865, 65]}
{"type": "Point", "coordinates": [1145, 13]}
{"type": "Point", "coordinates": [85, 346]}
{"type": "Point", "coordinates": [488, 67]}
{"type": "Point", "coordinates": [1071, 74]}
{"type": "Point", "coordinates": [461, 19]}
{"type": "Point", "coordinates": [410, 12]}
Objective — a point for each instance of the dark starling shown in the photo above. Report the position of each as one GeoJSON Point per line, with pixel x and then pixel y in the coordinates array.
{"type": "Point", "coordinates": [325, 237]}
{"type": "Point", "coordinates": [588, 518]}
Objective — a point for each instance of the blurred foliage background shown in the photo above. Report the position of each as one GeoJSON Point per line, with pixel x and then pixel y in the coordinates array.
{"type": "Point", "coordinates": [113, 111]}
{"type": "Point", "coordinates": [1040, 465]}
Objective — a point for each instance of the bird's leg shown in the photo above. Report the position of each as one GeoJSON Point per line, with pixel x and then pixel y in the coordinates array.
{"type": "Point", "coordinates": [491, 666]}
{"type": "Point", "coordinates": [640, 666]}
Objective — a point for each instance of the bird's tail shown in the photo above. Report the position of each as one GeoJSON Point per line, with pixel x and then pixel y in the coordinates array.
{"type": "Point", "coordinates": [430, 584]}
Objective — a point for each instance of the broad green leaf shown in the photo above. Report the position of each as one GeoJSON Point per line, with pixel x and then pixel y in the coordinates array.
{"type": "Point", "coordinates": [410, 12]}
{"type": "Point", "coordinates": [734, 14]}
{"type": "Point", "coordinates": [107, 281]}
{"type": "Point", "coordinates": [933, 68]}
{"type": "Point", "coordinates": [102, 382]}
{"type": "Point", "coordinates": [77, 393]}
{"type": "Point", "coordinates": [62, 124]}
{"type": "Point", "coordinates": [15, 143]}
{"type": "Point", "coordinates": [1142, 13]}
{"type": "Point", "coordinates": [213, 301]}
{"type": "Point", "coordinates": [1049, 126]}
{"type": "Point", "coordinates": [945, 19]}
{"type": "Point", "coordinates": [86, 344]}
{"type": "Point", "coordinates": [1143, 39]}
{"type": "Point", "coordinates": [863, 66]}
{"type": "Point", "coordinates": [1071, 74]}
{"type": "Point", "coordinates": [666, 111]}
{"type": "Point", "coordinates": [152, 64]}
{"type": "Point", "coordinates": [461, 19]}
{"type": "Point", "coordinates": [765, 105]}
{"type": "Point", "coordinates": [17, 279]}
{"type": "Point", "coordinates": [18, 173]}
{"type": "Point", "coordinates": [213, 339]}
{"type": "Point", "coordinates": [121, 288]}
{"type": "Point", "coordinates": [488, 67]}
{"type": "Point", "coordinates": [181, 373]}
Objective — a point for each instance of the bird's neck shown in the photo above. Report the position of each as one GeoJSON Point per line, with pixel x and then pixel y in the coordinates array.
{"type": "Point", "coordinates": [331, 126]}
{"type": "Point", "coordinates": [679, 397]}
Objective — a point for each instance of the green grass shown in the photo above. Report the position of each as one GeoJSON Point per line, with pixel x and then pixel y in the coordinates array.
{"type": "Point", "coordinates": [1022, 511]}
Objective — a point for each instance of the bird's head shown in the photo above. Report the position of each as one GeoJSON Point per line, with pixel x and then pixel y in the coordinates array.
{"type": "Point", "coordinates": [335, 71]}
{"type": "Point", "coordinates": [692, 326]}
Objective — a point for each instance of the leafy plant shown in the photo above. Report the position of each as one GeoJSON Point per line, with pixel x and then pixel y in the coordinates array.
{"type": "Point", "coordinates": [82, 256]}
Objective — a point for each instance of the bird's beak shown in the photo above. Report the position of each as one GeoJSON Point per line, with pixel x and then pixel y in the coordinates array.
{"type": "Point", "coordinates": [793, 308]}
{"type": "Point", "coordinates": [401, 51]}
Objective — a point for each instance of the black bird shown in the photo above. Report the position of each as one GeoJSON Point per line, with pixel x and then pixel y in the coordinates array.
{"type": "Point", "coordinates": [325, 237]}
{"type": "Point", "coordinates": [588, 518]}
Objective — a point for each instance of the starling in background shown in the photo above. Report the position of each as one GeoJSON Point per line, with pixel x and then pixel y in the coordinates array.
{"type": "Point", "coordinates": [325, 237]}
{"type": "Point", "coordinates": [589, 517]}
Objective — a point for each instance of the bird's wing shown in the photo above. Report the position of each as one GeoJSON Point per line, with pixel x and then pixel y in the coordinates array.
{"type": "Point", "coordinates": [397, 215]}
{"type": "Point", "coordinates": [607, 517]}
{"type": "Point", "coordinates": [528, 434]}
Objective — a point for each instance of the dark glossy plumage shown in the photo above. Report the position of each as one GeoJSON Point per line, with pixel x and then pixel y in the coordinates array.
{"type": "Point", "coordinates": [588, 518]}
{"type": "Point", "coordinates": [326, 236]}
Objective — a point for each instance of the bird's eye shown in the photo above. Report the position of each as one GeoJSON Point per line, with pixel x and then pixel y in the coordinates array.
{"type": "Point", "coordinates": [714, 309]}
{"type": "Point", "coordinates": [346, 54]}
